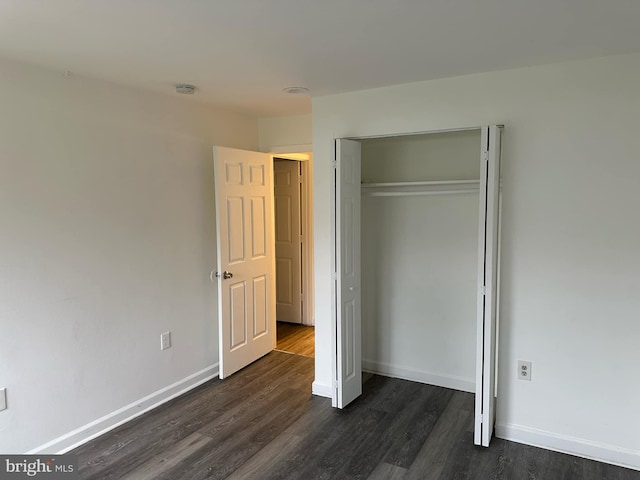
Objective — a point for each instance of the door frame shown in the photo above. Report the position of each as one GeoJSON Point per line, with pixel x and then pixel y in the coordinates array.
{"type": "Point", "coordinates": [334, 346]}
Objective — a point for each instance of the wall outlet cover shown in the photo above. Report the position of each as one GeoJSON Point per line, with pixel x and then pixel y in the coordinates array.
{"type": "Point", "coordinates": [524, 370]}
{"type": "Point", "coordinates": [165, 340]}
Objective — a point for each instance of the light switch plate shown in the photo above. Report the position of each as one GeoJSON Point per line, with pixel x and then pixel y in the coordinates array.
{"type": "Point", "coordinates": [3, 399]}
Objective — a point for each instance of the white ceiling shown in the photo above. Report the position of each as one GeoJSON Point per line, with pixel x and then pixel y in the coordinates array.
{"type": "Point", "coordinates": [241, 53]}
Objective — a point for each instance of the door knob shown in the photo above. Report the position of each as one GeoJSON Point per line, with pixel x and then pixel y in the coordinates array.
{"type": "Point", "coordinates": [225, 275]}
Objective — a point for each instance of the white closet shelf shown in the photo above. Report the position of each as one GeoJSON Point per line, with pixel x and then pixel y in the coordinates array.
{"type": "Point", "coordinates": [403, 189]}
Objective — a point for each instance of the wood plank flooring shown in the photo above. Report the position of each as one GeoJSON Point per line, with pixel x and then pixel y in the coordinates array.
{"type": "Point", "coordinates": [294, 338]}
{"type": "Point", "coordinates": [263, 423]}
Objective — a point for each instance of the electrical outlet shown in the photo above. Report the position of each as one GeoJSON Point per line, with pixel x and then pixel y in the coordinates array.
{"type": "Point", "coordinates": [165, 340]}
{"type": "Point", "coordinates": [3, 399]}
{"type": "Point", "coordinates": [524, 370]}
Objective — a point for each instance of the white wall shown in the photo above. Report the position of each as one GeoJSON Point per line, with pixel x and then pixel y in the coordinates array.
{"type": "Point", "coordinates": [108, 237]}
{"type": "Point", "coordinates": [279, 134]}
{"type": "Point", "coordinates": [431, 157]}
{"type": "Point", "coordinates": [420, 260]}
{"type": "Point", "coordinates": [570, 240]}
{"type": "Point", "coordinates": [419, 277]}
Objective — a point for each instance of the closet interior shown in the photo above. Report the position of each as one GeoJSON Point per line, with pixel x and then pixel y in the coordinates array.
{"type": "Point", "coordinates": [419, 247]}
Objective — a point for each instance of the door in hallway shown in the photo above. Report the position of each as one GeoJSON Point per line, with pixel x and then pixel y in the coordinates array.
{"type": "Point", "coordinates": [288, 234]}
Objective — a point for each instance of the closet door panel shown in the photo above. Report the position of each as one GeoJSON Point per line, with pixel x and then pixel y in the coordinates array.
{"type": "Point", "coordinates": [348, 324]}
{"type": "Point", "coordinates": [487, 286]}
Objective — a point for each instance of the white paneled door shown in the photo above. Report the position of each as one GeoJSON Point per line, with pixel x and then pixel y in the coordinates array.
{"type": "Point", "coordinates": [286, 178]}
{"type": "Point", "coordinates": [485, 405]}
{"type": "Point", "coordinates": [246, 258]}
{"type": "Point", "coordinates": [347, 284]}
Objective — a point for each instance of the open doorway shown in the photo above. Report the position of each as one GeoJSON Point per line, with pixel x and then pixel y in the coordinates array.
{"type": "Point", "coordinates": [292, 217]}
{"type": "Point", "coordinates": [246, 268]}
{"type": "Point", "coordinates": [296, 339]}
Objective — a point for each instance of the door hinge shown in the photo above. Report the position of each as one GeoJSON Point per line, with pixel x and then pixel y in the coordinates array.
{"type": "Point", "coordinates": [481, 418]}
{"type": "Point", "coordinates": [483, 290]}
{"type": "Point", "coordinates": [334, 163]}
{"type": "Point", "coordinates": [334, 276]}
{"type": "Point", "coordinates": [485, 156]}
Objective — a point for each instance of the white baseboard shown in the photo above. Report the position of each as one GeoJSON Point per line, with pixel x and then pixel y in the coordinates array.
{"type": "Point", "coordinates": [439, 379]}
{"type": "Point", "coordinates": [321, 390]}
{"type": "Point", "coordinates": [94, 429]}
{"type": "Point", "coordinates": [566, 444]}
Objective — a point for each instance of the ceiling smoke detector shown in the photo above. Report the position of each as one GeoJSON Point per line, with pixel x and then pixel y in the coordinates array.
{"type": "Point", "coordinates": [296, 90]}
{"type": "Point", "coordinates": [185, 89]}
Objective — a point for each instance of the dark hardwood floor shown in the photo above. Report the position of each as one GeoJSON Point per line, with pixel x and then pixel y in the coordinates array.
{"type": "Point", "coordinates": [294, 338]}
{"type": "Point", "coordinates": [263, 423]}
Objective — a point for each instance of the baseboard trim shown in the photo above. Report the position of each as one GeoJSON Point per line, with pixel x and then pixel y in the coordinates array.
{"type": "Point", "coordinates": [439, 379]}
{"type": "Point", "coordinates": [321, 390]}
{"type": "Point", "coordinates": [108, 422]}
{"type": "Point", "coordinates": [601, 452]}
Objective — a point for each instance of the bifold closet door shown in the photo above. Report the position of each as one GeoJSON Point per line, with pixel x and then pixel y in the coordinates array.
{"type": "Point", "coordinates": [485, 404]}
{"type": "Point", "coordinates": [347, 281]}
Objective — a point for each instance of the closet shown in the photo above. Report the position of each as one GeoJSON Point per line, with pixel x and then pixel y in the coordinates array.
{"type": "Point", "coordinates": [416, 261]}
{"type": "Point", "coordinates": [419, 256]}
